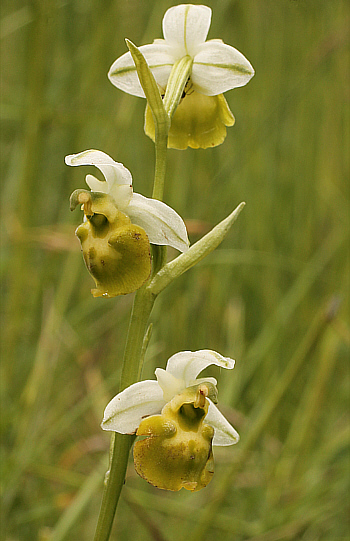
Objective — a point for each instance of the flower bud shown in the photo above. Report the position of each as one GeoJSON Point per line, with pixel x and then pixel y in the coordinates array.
{"type": "Point", "coordinates": [116, 252]}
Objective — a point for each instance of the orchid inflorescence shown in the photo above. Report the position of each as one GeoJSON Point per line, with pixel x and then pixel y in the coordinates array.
{"type": "Point", "coordinates": [123, 235]}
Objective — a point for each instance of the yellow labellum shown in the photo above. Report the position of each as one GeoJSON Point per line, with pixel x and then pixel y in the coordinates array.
{"type": "Point", "coordinates": [178, 452]}
{"type": "Point", "coordinates": [116, 252]}
{"type": "Point", "coordinates": [199, 122]}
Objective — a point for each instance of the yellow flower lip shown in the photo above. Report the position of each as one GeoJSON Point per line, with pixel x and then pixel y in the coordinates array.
{"type": "Point", "coordinates": [199, 122]}
{"type": "Point", "coordinates": [178, 450]}
{"type": "Point", "coordinates": [116, 252]}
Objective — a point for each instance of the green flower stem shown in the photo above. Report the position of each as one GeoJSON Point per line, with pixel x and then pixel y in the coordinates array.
{"type": "Point", "coordinates": [137, 339]}
{"type": "Point", "coordinates": [113, 485]}
{"type": "Point", "coordinates": [134, 351]}
{"type": "Point", "coordinates": [161, 143]}
{"type": "Point", "coordinates": [138, 336]}
{"type": "Point", "coordinates": [143, 304]}
{"type": "Point", "coordinates": [139, 332]}
{"type": "Point", "coordinates": [121, 443]}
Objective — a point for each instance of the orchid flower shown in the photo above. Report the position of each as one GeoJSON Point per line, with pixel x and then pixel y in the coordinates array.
{"type": "Point", "coordinates": [119, 226]}
{"type": "Point", "coordinates": [178, 414]}
{"type": "Point", "coordinates": [203, 113]}
{"type": "Point", "coordinates": [161, 223]}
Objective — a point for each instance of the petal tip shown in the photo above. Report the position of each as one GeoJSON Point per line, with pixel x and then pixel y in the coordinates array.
{"type": "Point", "coordinates": [104, 424]}
{"type": "Point", "coordinates": [230, 363]}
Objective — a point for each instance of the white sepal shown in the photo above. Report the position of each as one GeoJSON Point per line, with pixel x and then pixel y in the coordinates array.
{"type": "Point", "coordinates": [224, 433]}
{"type": "Point", "coordinates": [126, 410]}
{"type": "Point", "coordinates": [185, 27]}
{"type": "Point", "coordinates": [123, 72]}
{"type": "Point", "coordinates": [113, 172]}
{"type": "Point", "coordinates": [186, 365]}
{"type": "Point", "coordinates": [118, 177]}
{"type": "Point", "coordinates": [218, 67]}
{"type": "Point", "coordinates": [162, 224]}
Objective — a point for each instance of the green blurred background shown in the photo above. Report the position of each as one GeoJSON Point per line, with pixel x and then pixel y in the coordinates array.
{"type": "Point", "coordinates": [273, 296]}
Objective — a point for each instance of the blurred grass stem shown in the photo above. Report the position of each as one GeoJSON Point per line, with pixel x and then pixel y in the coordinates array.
{"type": "Point", "coordinates": [303, 425]}
{"type": "Point", "coordinates": [32, 134]}
{"type": "Point", "coordinates": [41, 377]}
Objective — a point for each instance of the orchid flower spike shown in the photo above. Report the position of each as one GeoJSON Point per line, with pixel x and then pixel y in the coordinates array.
{"type": "Point", "coordinates": [178, 414]}
{"type": "Point", "coordinates": [120, 225]}
{"type": "Point", "coordinates": [202, 116]}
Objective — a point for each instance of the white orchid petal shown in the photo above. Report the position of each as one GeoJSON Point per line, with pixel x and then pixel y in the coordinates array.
{"type": "Point", "coordinates": [96, 185]}
{"type": "Point", "coordinates": [185, 27]}
{"type": "Point", "coordinates": [198, 381]}
{"type": "Point", "coordinates": [186, 365]}
{"type": "Point", "coordinates": [218, 67]}
{"type": "Point", "coordinates": [113, 172]}
{"type": "Point", "coordinates": [123, 72]}
{"type": "Point", "coordinates": [170, 385]}
{"type": "Point", "coordinates": [122, 195]}
{"type": "Point", "coordinates": [224, 433]}
{"type": "Point", "coordinates": [126, 410]}
{"type": "Point", "coordinates": [162, 224]}
{"type": "Point", "coordinates": [118, 177]}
